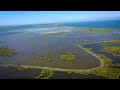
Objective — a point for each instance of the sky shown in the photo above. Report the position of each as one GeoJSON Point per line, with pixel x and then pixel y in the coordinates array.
{"type": "Point", "coordinates": [38, 17]}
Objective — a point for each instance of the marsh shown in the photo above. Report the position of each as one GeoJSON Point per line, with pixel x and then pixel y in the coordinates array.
{"type": "Point", "coordinates": [46, 45]}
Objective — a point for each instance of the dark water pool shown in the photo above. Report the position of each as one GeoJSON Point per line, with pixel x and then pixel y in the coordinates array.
{"type": "Point", "coordinates": [11, 73]}
{"type": "Point", "coordinates": [62, 75]}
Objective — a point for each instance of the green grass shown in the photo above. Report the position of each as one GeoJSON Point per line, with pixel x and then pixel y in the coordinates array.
{"type": "Point", "coordinates": [68, 56]}
{"type": "Point", "coordinates": [5, 51]}
{"type": "Point", "coordinates": [44, 58]}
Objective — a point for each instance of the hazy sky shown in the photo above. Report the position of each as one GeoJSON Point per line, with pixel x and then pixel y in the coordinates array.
{"type": "Point", "coordinates": [36, 17]}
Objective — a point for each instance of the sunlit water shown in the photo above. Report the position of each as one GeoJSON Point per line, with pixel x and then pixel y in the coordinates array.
{"type": "Point", "coordinates": [31, 42]}
{"type": "Point", "coordinates": [52, 41]}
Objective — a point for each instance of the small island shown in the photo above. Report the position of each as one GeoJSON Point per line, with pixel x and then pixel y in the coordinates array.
{"type": "Point", "coordinates": [5, 51]}
{"type": "Point", "coordinates": [100, 31]}
{"type": "Point", "coordinates": [45, 58]}
{"type": "Point", "coordinates": [68, 56]}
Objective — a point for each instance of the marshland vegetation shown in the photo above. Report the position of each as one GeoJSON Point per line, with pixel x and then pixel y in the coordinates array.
{"type": "Point", "coordinates": [5, 51]}
{"type": "Point", "coordinates": [94, 31]}
{"type": "Point", "coordinates": [44, 58]}
{"type": "Point", "coordinates": [68, 56]}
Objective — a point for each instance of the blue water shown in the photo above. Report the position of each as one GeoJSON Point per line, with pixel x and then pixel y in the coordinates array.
{"type": "Point", "coordinates": [30, 43]}
{"type": "Point", "coordinates": [96, 24]}
{"type": "Point", "coordinates": [9, 30]}
{"type": "Point", "coordinates": [101, 24]}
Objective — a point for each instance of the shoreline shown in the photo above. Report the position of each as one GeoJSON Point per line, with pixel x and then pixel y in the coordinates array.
{"type": "Point", "coordinates": [101, 63]}
{"type": "Point", "coordinates": [104, 69]}
{"type": "Point", "coordinates": [98, 42]}
{"type": "Point", "coordinates": [60, 69]}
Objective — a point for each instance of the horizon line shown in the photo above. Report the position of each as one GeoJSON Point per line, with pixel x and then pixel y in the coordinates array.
{"type": "Point", "coordinates": [57, 22]}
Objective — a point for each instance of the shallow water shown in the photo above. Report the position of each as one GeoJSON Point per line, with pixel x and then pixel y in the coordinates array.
{"type": "Point", "coordinates": [30, 44]}
{"type": "Point", "coordinates": [11, 73]}
{"type": "Point", "coordinates": [62, 75]}
{"type": "Point", "coordinates": [97, 49]}
{"type": "Point", "coordinates": [30, 41]}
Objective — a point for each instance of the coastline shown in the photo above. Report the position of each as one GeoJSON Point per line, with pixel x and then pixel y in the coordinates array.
{"type": "Point", "coordinates": [104, 69]}
{"type": "Point", "coordinates": [60, 69]}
